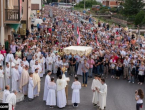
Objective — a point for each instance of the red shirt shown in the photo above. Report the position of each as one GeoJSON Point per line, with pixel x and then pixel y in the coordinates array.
{"type": "Point", "coordinates": [3, 52]}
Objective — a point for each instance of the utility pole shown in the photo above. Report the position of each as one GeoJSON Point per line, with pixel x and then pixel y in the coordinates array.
{"type": "Point", "coordinates": [2, 24]}
{"type": "Point", "coordinates": [84, 4]}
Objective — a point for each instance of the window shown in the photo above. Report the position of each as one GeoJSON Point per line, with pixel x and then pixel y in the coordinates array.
{"type": "Point", "coordinates": [23, 0]}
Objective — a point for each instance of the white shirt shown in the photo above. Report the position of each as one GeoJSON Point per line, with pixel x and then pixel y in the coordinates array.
{"type": "Point", "coordinates": [139, 101]}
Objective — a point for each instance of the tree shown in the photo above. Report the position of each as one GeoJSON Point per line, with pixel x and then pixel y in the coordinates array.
{"type": "Point", "coordinates": [140, 18]}
{"type": "Point", "coordinates": [132, 7]}
{"type": "Point", "coordinates": [88, 3]}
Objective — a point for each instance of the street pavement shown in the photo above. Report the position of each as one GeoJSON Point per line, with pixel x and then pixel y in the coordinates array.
{"type": "Point", "coordinates": [120, 96]}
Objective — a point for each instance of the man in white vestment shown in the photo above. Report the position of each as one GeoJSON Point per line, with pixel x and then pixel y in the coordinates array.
{"type": "Point", "coordinates": [96, 83]}
{"type": "Point", "coordinates": [49, 62]}
{"type": "Point", "coordinates": [25, 62]}
{"type": "Point", "coordinates": [41, 62]}
{"type": "Point", "coordinates": [102, 94]}
{"type": "Point", "coordinates": [37, 66]}
{"type": "Point", "coordinates": [8, 75]}
{"type": "Point", "coordinates": [31, 87]}
{"type": "Point", "coordinates": [16, 61]}
{"type": "Point", "coordinates": [9, 57]}
{"type": "Point", "coordinates": [6, 93]}
{"type": "Point", "coordinates": [20, 68]}
{"type": "Point", "coordinates": [36, 81]}
{"type": "Point", "coordinates": [15, 78]}
{"type": "Point", "coordinates": [61, 95]}
{"type": "Point", "coordinates": [32, 62]}
{"type": "Point", "coordinates": [1, 77]}
{"type": "Point", "coordinates": [76, 86]}
{"type": "Point", "coordinates": [1, 58]}
{"type": "Point", "coordinates": [11, 100]}
{"type": "Point", "coordinates": [24, 80]}
{"type": "Point", "coordinates": [47, 81]}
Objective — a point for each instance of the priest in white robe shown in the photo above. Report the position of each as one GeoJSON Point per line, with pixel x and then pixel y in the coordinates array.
{"type": "Point", "coordinates": [37, 66]}
{"type": "Point", "coordinates": [6, 92]}
{"type": "Point", "coordinates": [76, 86]}
{"type": "Point", "coordinates": [44, 60]}
{"type": "Point", "coordinates": [1, 58]}
{"type": "Point", "coordinates": [41, 63]}
{"type": "Point", "coordinates": [24, 80]}
{"type": "Point", "coordinates": [102, 94]}
{"type": "Point", "coordinates": [32, 62]}
{"type": "Point", "coordinates": [25, 62]}
{"type": "Point", "coordinates": [31, 87]}
{"type": "Point", "coordinates": [81, 61]}
{"type": "Point", "coordinates": [11, 100]}
{"type": "Point", "coordinates": [47, 81]}
{"type": "Point", "coordinates": [96, 83]}
{"type": "Point", "coordinates": [8, 75]}
{"type": "Point", "coordinates": [16, 61]}
{"type": "Point", "coordinates": [51, 96]}
{"type": "Point", "coordinates": [1, 78]}
{"type": "Point", "coordinates": [15, 78]}
{"type": "Point", "coordinates": [36, 81]}
{"type": "Point", "coordinates": [61, 95]}
{"type": "Point", "coordinates": [49, 62]}
{"type": "Point", "coordinates": [20, 68]}
{"type": "Point", "coordinates": [9, 57]}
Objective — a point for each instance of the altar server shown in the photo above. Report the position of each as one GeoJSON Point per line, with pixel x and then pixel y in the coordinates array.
{"type": "Point", "coordinates": [76, 86]}
{"type": "Point", "coordinates": [9, 57]}
{"type": "Point", "coordinates": [8, 75]}
{"type": "Point", "coordinates": [36, 81]}
{"type": "Point", "coordinates": [6, 93]}
{"type": "Point", "coordinates": [11, 100]}
{"type": "Point", "coordinates": [61, 95]}
{"type": "Point", "coordinates": [1, 58]}
{"type": "Point", "coordinates": [15, 78]}
{"type": "Point", "coordinates": [51, 96]}
{"type": "Point", "coordinates": [96, 83]}
{"type": "Point", "coordinates": [49, 62]}
{"type": "Point", "coordinates": [102, 94]}
{"type": "Point", "coordinates": [30, 87]}
{"type": "Point", "coordinates": [41, 62]}
{"type": "Point", "coordinates": [1, 77]}
{"type": "Point", "coordinates": [47, 81]}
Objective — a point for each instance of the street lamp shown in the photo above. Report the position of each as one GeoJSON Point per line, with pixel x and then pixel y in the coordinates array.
{"type": "Point", "coordinates": [84, 4]}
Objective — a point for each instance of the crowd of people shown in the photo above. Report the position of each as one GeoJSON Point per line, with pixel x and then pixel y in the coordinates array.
{"type": "Point", "coordinates": [115, 51]}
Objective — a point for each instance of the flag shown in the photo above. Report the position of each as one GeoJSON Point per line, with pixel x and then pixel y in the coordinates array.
{"type": "Point", "coordinates": [78, 36]}
{"type": "Point", "coordinates": [97, 41]}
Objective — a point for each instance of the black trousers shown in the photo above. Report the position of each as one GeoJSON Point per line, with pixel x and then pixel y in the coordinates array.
{"type": "Point", "coordinates": [75, 104]}
{"type": "Point", "coordinates": [141, 78]}
{"type": "Point", "coordinates": [138, 106]}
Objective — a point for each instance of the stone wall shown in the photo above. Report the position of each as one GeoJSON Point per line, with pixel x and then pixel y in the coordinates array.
{"type": "Point", "coordinates": [119, 21]}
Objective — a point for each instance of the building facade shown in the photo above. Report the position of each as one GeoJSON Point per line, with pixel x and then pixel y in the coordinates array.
{"type": "Point", "coordinates": [13, 14]}
{"type": "Point", "coordinates": [36, 7]}
{"type": "Point", "coordinates": [111, 3]}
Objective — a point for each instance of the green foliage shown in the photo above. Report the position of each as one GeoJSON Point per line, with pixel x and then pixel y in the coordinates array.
{"type": "Point", "coordinates": [88, 3]}
{"type": "Point", "coordinates": [114, 10]}
{"type": "Point", "coordinates": [140, 18]}
{"type": "Point", "coordinates": [132, 7]}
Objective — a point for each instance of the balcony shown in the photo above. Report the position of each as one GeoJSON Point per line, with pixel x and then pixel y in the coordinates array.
{"type": "Point", "coordinates": [12, 14]}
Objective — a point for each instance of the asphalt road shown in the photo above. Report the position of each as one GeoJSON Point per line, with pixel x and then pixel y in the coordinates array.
{"type": "Point", "coordinates": [120, 96]}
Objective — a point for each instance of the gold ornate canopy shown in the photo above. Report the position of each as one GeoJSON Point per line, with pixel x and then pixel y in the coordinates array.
{"type": "Point", "coordinates": [79, 50]}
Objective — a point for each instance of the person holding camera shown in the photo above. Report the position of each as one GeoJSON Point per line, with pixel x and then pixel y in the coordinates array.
{"type": "Point", "coordinates": [139, 95]}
